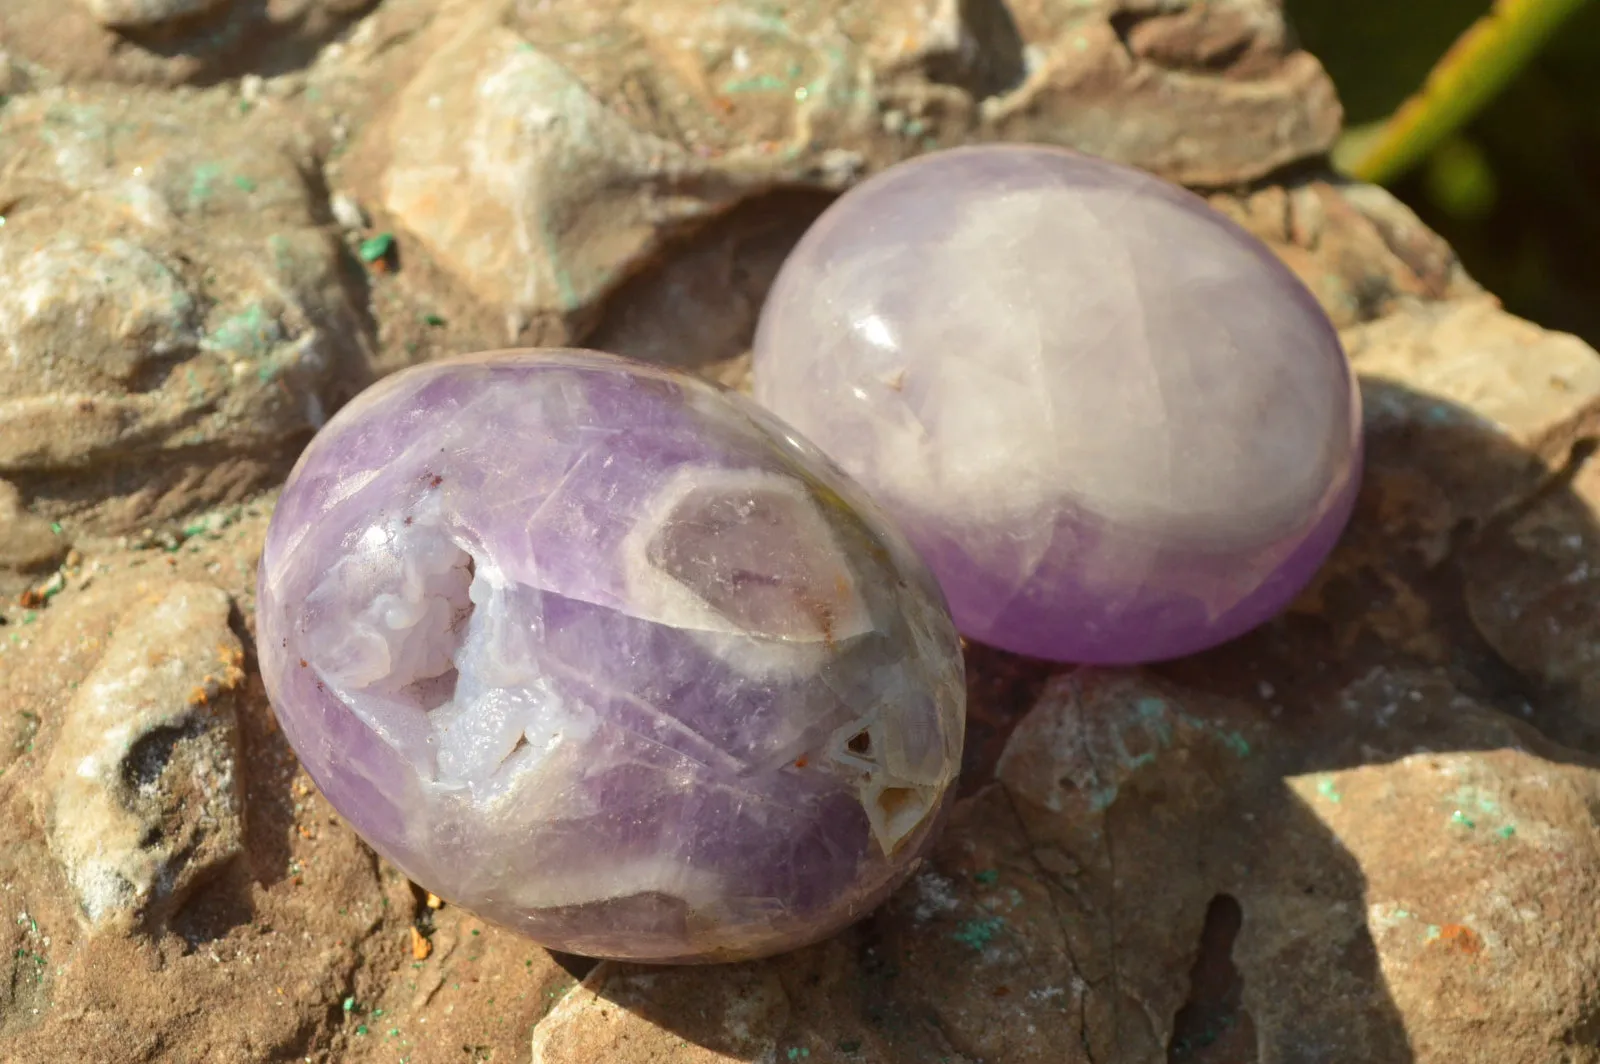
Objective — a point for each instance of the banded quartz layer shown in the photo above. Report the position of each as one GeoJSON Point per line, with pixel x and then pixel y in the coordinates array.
{"type": "Point", "coordinates": [1115, 425]}
{"type": "Point", "coordinates": [608, 656]}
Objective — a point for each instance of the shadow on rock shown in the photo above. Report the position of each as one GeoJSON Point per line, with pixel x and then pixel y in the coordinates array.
{"type": "Point", "coordinates": [203, 42]}
{"type": "Point", "coordinates": [696, 309]}
{"type": "Point", "coordinates": [1351, 835]}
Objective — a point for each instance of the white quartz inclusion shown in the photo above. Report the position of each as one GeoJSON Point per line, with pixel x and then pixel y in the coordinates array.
{"type": "Point", "coordinates": [442, 643]}
{"type": "Point", "coordinates": [503, 716]}
{"type": "Point", "coordinates": [740, 561]}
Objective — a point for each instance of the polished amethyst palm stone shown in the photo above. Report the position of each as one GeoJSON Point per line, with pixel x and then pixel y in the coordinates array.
{"type": "Point", "coordinates": [609, 656]}
{"type": "Point", "coordinates": [1116, 426]}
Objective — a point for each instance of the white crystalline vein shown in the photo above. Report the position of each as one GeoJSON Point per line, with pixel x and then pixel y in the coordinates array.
{"type": "Point", "coordinates": [705, 752]}
{"type": "Point", "coordinates": [413, 579]}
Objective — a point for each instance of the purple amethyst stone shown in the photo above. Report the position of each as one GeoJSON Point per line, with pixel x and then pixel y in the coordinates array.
{"type": "Point", "coordinates": [609, 656]}
{"type": "Point", "coordinates": [1116, 426]}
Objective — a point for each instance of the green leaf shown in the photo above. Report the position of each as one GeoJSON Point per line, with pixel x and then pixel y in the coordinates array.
{"type": "Point", "coordinates": [1481, 62]}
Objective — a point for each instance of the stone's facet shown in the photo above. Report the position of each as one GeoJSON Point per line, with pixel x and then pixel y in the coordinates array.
{"type": "Point", "coordinates": [1116, 426]}
{"type": "Point", "coordinates": [609, 656]}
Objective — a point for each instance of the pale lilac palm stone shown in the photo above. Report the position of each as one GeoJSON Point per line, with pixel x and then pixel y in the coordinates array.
{"type": "Point", "coordinates": [1115, 425]}
{"type": "Point", "coordinates": [605, 655]}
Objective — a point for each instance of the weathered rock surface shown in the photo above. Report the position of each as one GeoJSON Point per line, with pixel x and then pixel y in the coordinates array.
{"type": "Point", "coordinates": [1250, 856]}
{"type": "Point", "coordinates": [27, 542]}
{"type": "Point", "coordinates": [544, 154]}
{"type": "Point", "coordinates": [1438, 375]}
{"type": "Point", "coordinates": [128, 14]}
{"type": "Point", "coordinates": [740, 1012]}
{"type": "Point", "coordinates": [1361, 251]}
{"type": "Point", "coordinates": [13, 79]}
{"type": "Point", "coordinates": [1541, 389]}
{"type": "Point", "coordinates": [1474, 836]}
{"type": "Point", "coordinates": [142, 799]}
{"type": "Point", "coordinates": [1532, 582]}
{"type": "Point", "coordinates": [1198, 92]}
{"type": "Point", "coordinates": [1164, 873]}
{"type": "Point", "coordinates": [259, 962]}
{"type": "Point", "coordinates": [169, 42]}
{"type": "Point", "coordinates": [698, 310]}
{"type": "Point", "coordinates": [174, 321]}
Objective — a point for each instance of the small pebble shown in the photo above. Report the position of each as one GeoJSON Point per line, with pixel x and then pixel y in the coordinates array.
{"type": "Point", "coordinates": [347, 212]}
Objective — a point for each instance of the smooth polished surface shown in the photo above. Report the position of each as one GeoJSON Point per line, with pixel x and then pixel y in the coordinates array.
{"type": "Point", "coordinates": [1117, 427]}
{"type": "Point", "coordinates": [600, 653]}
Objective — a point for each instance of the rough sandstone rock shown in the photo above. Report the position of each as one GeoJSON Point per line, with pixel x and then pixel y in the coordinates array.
{"type": "Point", "coordinates": [127, 14]}
{"type": "Point", "coordinates": [1161, 867]}
{"type": "Point", "coordinates": [1463, 368]}
{"type": "Point", "coordinates": [173, 321]}
{"type": "Point", "coordinates": [1542, 389]}
{"type": "Point", "coordinates": [1361, 251]}
{"type": "Point", "coordinates": [142, 798]}
{"type": "Point", "coordinates": [1474, 835]}
{"type": "Point", "coordinates": [1532, 582]}
{"type": "Point", "coordinates": [739, 1013]}
{"type": "Point", "coordinates": [1457, 615]}
{"type": "Point", "coordinates": [258, 963]}
{"type": "Point", "coordinates": [1194, 91]}
{"type": "Point", "coordinates": [13, 79]}
{"type": "Point", "coordinates": [27, 542]}
{"type": "Point", "coordinates": [169, 42]}
{"type": "Point", "coordinates": [544, 154]}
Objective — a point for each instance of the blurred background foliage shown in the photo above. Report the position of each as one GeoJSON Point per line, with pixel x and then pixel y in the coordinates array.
{"type": "Point", "coordinates": [1516, 189]}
